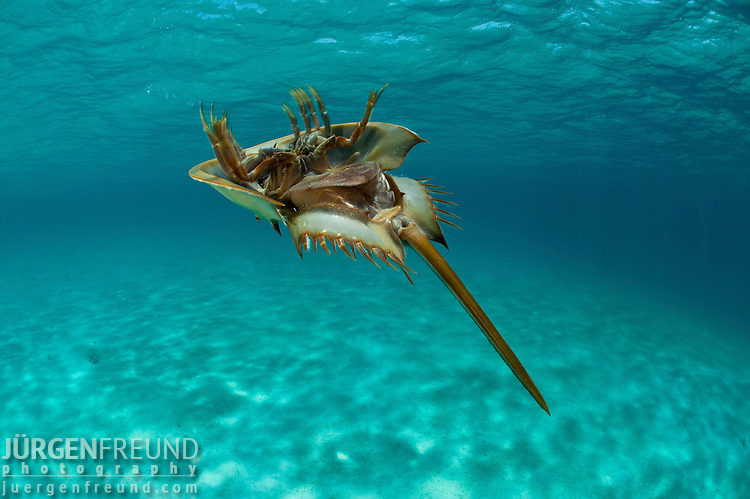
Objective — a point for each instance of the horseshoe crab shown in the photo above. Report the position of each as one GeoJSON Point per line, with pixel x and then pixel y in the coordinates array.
{"type": "Point", "coordinates": [329, 185]}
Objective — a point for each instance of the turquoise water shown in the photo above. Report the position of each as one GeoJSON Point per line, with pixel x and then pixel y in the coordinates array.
{"type": "Point", "coordinates": [598, 153]}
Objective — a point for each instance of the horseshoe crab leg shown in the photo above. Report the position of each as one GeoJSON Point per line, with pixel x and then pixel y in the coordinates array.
{"type": "Point", "coordinates": [323, 113]}
{"type": "Point", "coordinates": [410, 234]}
{"type": "Point", "coordinates": [343, 141]}
{"type": "Point", "coordinates": [292, 120]}
{"type": "Point", "coordinates": [302, 109]}
{"type": "Point", "coordinates": [228, 151]}
{"type": "Point", "coordinates": [310, 108]}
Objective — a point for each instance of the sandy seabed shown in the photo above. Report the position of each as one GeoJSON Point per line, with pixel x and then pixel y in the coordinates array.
{"type": "Point", "coordinates": [331, 378]}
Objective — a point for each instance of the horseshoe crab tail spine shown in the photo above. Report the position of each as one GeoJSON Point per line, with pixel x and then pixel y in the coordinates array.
{"type": "Point", "coordinates": [414, 238]}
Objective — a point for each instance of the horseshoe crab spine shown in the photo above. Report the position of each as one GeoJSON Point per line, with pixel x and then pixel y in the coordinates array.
{"type": "Point", "coordinates": [432, 257]}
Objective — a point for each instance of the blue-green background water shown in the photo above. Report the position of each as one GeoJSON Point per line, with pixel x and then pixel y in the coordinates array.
{"type": "Point", "coordinates": [598, 152]}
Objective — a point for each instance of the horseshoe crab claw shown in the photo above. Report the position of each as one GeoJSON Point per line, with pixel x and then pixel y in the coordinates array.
{"type": "Point", "coordinates": [331, 185]}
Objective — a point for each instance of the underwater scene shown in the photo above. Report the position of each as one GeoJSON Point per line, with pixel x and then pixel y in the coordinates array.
{"type": "Point", "coordinates": [158, 341]}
